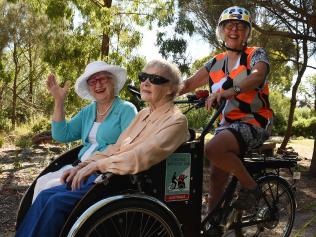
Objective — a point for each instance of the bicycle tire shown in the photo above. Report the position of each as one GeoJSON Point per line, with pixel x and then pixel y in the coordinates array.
{"type": "Point", "coordinates": [280, 215]}
{"type": "Point", "coordinates": [134, 217]}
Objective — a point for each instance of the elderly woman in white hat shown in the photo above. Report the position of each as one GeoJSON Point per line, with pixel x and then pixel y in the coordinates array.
{"type": "Point", "coordinates": [99, 124]}
{"type": "Point", "coordinates": [154, 134]}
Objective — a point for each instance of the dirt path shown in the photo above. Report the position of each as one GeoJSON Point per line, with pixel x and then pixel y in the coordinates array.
{"type": "Point", "coordinates": [18, 168]}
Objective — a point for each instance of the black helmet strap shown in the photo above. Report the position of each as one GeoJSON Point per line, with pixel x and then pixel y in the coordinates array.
{"type": "Point", "coordinates": [235, 50]}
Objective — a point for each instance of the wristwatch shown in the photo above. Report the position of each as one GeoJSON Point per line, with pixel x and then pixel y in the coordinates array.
{"type": "Point", "coordinates": [236, 89]}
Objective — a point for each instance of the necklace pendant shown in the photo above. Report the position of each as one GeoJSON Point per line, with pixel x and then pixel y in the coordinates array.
{"type": "Point", "coordinates": [106, 110]}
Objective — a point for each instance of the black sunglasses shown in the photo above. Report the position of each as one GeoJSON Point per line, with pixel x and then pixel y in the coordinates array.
{"type": "Point", "coordinates": [154, 79]}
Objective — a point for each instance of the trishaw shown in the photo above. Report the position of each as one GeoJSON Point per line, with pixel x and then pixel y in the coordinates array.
{"type": "Point", "coordinates": [166, 200]}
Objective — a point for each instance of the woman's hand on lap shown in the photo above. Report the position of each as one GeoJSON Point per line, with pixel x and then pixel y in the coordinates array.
{"type": "Point", "coordinates": [83, 174]}
{"type": "Point", "coordinates": [69, 174]}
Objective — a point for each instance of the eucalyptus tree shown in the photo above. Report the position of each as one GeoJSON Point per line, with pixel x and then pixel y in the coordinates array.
{"type": "Point", "coordinates": [293, 20]}
{"type": "Point", "coordinates": [312, 82]}
{"type": "Point", "coordinates": [20, 58]}
{"type": "Point", "coordinates": [286, 28]}
{"type": "Point", "coordinates": [108, 30]}
{"type": "Point", "coordinates": [62, 36]}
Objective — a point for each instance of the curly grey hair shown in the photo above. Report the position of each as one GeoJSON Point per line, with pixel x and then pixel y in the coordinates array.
{"type": "Point", "coordinates": [169, 71]}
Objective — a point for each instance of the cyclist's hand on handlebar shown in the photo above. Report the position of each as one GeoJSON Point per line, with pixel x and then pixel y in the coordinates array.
{"type": "Point", "coordinates": [213, 100]}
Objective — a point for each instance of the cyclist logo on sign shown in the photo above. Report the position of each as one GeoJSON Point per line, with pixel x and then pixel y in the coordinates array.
{"type": "Point", "coordinates": [177, 179]}
{"type": "Point", "coordinates": [177, 183]}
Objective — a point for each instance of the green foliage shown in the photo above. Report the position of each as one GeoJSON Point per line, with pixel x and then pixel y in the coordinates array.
{"type": "Point", "coordinates": [41, 125]}
{"type": "Point", "coordinates": [305, 127]}
{"type": "Point", "coordinates": [1, 142]}
{"type": "Point", "coordinates": [304, 118]}
{"type": "Point", "coordinates": [39, 37]}
{"type": "Point", "coordinates": [303, 113]}
{"type": "Point", "coordinates": [199, 63]}
{"type": "Point", "coordinates": [57, 9]}
{"type": "Point", "coordinates": [198, 118]}
{"type": "Point", "coordinates": [5, 123]}
{"type": "Point", "coordinates": [307, 92]}
{"type": "Point", "coordinates": [174, 48]}
{"type": "Point", "coordinates": [24, 141]}
{"type": "Point", "coordinates": [280, 106]}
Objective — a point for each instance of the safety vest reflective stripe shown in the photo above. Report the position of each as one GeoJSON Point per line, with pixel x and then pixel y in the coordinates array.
{"type": "Point", "coordinates": [218, 75]}
{"type": "Point", "coordinates": [251, 106]}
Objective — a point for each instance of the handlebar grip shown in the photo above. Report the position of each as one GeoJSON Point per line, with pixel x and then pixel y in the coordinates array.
{"type": "Point", "coordinates": [221, 105]}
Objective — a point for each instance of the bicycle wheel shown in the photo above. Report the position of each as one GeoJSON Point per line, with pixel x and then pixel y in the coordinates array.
{"type": "Point", "coordinates": [133, 217]}
{"type": "Point", "coordinates": [275, 213]}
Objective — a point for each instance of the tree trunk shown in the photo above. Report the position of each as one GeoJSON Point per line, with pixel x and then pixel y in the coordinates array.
{"type": "Point", "coordinates": [14, 87]}
{"type": "Point", "coordinates": [312, 19]}
{"type": "Point", "coordinates": [31, 75]}
{"type": "Point", "coordinates": [312, 168]}
{"type": "Point", "coordinates": [105, 47]}
{"type": "Point", "coordinates": [2, 89]}
{"type": "Point", "coordinates": [300, 74]}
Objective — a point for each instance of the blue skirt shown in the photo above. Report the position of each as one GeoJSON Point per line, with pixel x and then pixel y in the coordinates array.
{"type": "Point", "coordinates": [51, 209]}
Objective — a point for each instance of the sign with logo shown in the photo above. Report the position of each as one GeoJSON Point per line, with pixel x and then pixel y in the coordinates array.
{"type": "Point", "coordinates": [177, 180]}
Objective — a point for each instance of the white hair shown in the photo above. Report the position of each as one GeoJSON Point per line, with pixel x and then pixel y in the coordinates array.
{"type": "Point", "coordinates": [170, 71]}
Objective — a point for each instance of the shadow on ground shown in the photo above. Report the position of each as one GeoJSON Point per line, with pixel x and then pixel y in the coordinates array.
{"type": "Point", "coordinates": [19, 167]}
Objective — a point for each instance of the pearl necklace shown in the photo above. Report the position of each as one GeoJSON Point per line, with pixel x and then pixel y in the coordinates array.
{"type": "Point", "coordinates": [107, 109]}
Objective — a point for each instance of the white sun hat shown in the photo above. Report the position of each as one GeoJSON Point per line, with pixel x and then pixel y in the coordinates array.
{"type": "Point", "coordinates": [81, 86]}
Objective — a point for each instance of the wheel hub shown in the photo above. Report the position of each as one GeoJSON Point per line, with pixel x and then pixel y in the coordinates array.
{"type": "Point", "coordinates": [272, 217]}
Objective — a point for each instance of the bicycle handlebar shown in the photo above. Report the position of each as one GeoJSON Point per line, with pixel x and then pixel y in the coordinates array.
{"type": "Point", "coordinates": [198, 100]}
{"type": "Point", "coordinates": [134, 91]}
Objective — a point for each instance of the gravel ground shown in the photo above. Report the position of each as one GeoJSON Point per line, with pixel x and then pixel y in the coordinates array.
{"type": "Point", "coordinates": [19, 167]}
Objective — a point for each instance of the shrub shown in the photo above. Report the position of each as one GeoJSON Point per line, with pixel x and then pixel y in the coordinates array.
{"type": "Point", "coordinates": [24, 141]}
{"type": "Point", "coordinates": [1, 142]}
{"type": "Point", "coordinates": [5, 123]}
{"type": "Point", "coordinates": [41, 125]}
{"type": "Point", "coordinates": [304, 127]}
{"type": "Point", "coordinates": [280, 106]}
{"type": "Point", "coordinates": [22, 135]}
{"type": "Point", "coordinates": [198, 118]}
{"type": "Point", "coordinates": [303, 113]}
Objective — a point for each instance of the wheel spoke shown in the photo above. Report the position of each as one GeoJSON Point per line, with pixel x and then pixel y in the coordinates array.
{"type": "Point", "coordinates": [145, 227]}
{"type": "Point", "coordinates": [131, 219]}
{"type": "Point", "coordinates": [131, 223]}
{"type": "Point", "coordinates": [275, 213]}
{"type": "Point", "coordinates": [117, 230]}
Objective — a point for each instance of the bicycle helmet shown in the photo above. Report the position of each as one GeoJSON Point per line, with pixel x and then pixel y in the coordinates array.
{"type": "Point", "coordinates": [233, 13]}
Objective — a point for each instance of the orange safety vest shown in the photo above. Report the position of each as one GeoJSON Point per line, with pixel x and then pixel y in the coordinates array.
{"type": "Point", "coordinates": [252, 106]}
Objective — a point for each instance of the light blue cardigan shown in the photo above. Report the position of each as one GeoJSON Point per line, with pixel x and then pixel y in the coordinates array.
{"type": "Point", "coordinates": [119, 118]}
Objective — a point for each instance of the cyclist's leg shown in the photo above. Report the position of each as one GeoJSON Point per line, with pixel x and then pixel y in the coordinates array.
{"type": "Point", "coordinates": [223, 152]}
{"type": "Point", "coordinates": [218, 181]}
